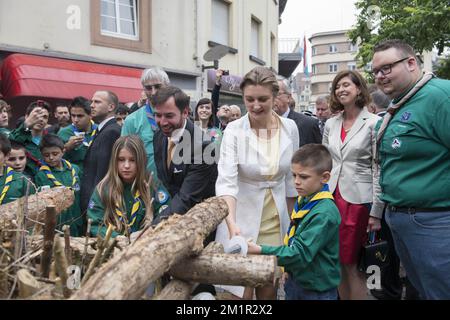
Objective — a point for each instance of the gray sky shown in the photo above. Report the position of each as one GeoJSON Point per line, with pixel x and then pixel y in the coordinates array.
{"type": "Point", "coordinates": [312, 16]}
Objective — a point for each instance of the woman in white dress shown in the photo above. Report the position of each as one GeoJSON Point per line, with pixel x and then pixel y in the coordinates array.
{"type": "Point", "coordinates": [254, 171]}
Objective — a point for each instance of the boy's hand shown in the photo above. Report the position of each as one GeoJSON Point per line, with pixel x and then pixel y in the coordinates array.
{"type": "Point", "coordinates": [253, 248]}
{"type": "Point", "coordinates": [73, 142]}
{"type": "Point", "coordinates": [35, 116]}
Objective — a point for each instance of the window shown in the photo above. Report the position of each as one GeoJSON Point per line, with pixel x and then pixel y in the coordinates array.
{"type": "Point", "coordinates": [332, 48]}
{"type": "Point", "coordinates": [353, 47]}
{"type": "Point", "coordinates": [220, 17]}
{"type": "Point", "coordinates": [313, 70]}
{"type": "Point", "coordinates": [332, 68]}
{"type": "Point", "coordinates": [351, 66]}
{"type": "Point", "coordinates": [119, 18]}
{"type": "Point", "coordinates": [254, 49]}
{"type": "Point", "coordinates": [313, 52]}
{"type": "Point", "coordinates": [115, 22]}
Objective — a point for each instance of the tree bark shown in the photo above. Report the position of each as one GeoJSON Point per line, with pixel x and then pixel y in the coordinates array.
{"type": "Point", "coordinates": [28, 285]}
{"type": "Point", "coordinates": [128, 274]}
{"type": "Point", "coordinates": [176, 290]}
{"type": "Point", "coordinates": [49, 236]}
{"type": "Point", "coordinates": [227, 269]}
{"type": "Point", "coordinates": [60, 198]}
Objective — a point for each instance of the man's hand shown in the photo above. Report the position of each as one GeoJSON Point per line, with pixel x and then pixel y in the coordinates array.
{"type": "Point", "coordinates": [374, 224]}
{"type": "Point", "coordinates": [73, 142]}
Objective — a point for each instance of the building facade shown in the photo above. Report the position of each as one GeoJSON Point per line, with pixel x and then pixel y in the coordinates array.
{"type": "Point", "coordinates": [105, 44]}
{"type": "Point", "coordinates": [332, 52]}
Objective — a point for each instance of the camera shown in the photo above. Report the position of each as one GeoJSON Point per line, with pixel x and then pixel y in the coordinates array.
{"type": "Point", "coordinates": [226, 72]}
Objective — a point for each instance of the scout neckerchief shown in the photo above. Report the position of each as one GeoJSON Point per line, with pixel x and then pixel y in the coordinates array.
{"type": "Point", "coordinates": [151, 117]}
{"type": "Point", "coordinates": [134, 210]}
{"type": "Point", "coordinates": [90, 139]}
{"type": "Point", "coordinates": [48, 172]}
{"type": "Point", "coordinates": [8, 180]}
{"type": "Point", "coordinates": [300, 212]}
{"type": "Point", "coordinates": [393, 108]}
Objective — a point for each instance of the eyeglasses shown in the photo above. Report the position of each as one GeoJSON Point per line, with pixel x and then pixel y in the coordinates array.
{"type": "Point", "coordinates": [387, 68]}
{"type": "Point", "coordinates": [154, 86]}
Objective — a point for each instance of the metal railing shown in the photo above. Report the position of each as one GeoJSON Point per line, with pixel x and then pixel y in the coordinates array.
{"type": "Point", "coordinates": [288, 45]}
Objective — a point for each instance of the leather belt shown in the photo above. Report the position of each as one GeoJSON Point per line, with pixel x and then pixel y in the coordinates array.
{"type": "Point", "coordinates": [414, 210]}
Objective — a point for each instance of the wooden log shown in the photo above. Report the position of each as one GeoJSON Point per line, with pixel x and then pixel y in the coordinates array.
{"type": "Point", "coordinates": [67, 249]}
{"type": "Point", "coordinates": [176, 290]}
{"type": "Point", "coordinates": [28, 285]}
{"type": "Point", "coordinates": [128, 274]}
{"type": "Point", "coordinates": [49, 235]}
{"type": "Point", "coordinates": [60, 198]}
{"type": "Point", "coordinates": [227, 269]}
{"type": "Point", "coordinates": [61, 265]}
{"type": "Point", "coordinates": [213, 247]}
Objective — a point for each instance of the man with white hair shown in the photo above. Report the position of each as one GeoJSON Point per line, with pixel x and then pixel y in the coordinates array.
{"type": "Point", "coordinates": [308, 127]}
{"type": "Point", "coordinates": [143, 124]}
{"type": "Point", "coordinates": [235, 112]}
{"type": "Point", "coordinates": [323, 112]}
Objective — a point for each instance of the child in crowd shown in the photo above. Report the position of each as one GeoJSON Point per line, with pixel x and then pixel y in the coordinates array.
{"type": "Point", "coordinates": [310, 254]}
{"type": "Point", "coordinates": [13, 185]}
{"type": "Point", "coordinates": [57, 172]}
{"type": "Point", "coordinates": [122, 113]}
{"type": "Point", "coordinates": [17, 158]}
{"type": "Point", "coordinates": [122, 197]}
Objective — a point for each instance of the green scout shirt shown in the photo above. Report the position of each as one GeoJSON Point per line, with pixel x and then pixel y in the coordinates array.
{"type": "Point", "coordinates": [24, 137]}
{"type": "Point", "coordinates": [5, 131]}
{"type": "Point", "coordinates": [72, 216]}
{"type": "Point", "coordinates": [138, 124]}
{"type": "Point", "coordinates": [313, 258]}
{"type": "Point", "coordinates": [77, 155]}
{"type": "Point", "coordinates": [415, 150]}
{"type": "Point", "coordinates": [17, 188]}
{"type": "Point", "coordinates": [96, 212]}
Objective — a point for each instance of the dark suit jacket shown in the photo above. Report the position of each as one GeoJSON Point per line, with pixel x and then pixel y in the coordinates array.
{"type": "Point", "coordinates": [188, 183]}
{"type": "Point", "coordinates": [308, 128]}
{"type": "Point", "coordinates": [97, 159]}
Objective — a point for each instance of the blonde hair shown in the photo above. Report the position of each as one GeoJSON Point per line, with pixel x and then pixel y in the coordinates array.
{"type": "Point", "coordinates": [111, 189]}
{"type": "Point", "coordinates": [261, 76]}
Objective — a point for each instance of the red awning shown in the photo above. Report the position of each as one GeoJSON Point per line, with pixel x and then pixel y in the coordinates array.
{"type": "Point", "coordinates": [37, 76]}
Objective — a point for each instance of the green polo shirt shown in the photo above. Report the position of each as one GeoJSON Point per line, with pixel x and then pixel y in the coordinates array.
{"type": "Point", "coordinates": [96, 212]}
{"type": "Point", "coordinates": [17, 188]}
{"type": "Point", "coordinates": [415, 150]}
{"type": "Point", "coordinates": [313, 258]}
{"type": "Point", "coordinates": [71, 216]}
{"type": "Point", "coordinates": [77, 155]}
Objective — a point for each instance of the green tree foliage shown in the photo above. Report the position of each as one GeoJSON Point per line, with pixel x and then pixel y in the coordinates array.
{"type": "Point", "coordinates": [424, 24]}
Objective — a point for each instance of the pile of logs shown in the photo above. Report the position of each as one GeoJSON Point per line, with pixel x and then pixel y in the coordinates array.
{"type": "Point", "coordinates": [114, 271]}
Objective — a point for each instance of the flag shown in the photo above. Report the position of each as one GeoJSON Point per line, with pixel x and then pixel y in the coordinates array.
{"type": "Point", "coordinates": [304, 53]}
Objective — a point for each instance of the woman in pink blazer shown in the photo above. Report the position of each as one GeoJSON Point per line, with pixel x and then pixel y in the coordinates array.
{"type": "Point", "coordinates": [350, 138]}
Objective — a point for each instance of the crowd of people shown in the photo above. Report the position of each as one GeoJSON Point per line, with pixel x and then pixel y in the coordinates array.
{"type": "Point", "coordinates": [374, 158]}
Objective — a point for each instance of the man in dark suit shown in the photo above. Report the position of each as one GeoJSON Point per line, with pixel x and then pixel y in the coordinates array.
{"type": "Point", "coordinates": [96, 162]}
{"type": "Point", "coordinates": [308, 127]}
{"type": "Point", "coordinates": [189, 176]}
